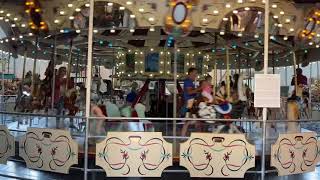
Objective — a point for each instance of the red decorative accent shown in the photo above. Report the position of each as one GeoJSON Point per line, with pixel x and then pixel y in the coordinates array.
{"type": "Point", "coordinates": [142, 92]}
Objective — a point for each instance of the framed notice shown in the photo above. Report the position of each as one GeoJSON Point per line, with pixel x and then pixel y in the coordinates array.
{"type": "Point", "coordinates": [267, 90]}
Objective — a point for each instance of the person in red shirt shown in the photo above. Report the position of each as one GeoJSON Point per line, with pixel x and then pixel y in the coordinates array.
{"type": "Point", "coordinates": [60, 83]}
{"type": "Point", "coordinates": [301, 79]}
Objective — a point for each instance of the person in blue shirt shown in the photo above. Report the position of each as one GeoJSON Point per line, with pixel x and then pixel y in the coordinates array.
{"type": "Point", "coordinates": [189, 90]}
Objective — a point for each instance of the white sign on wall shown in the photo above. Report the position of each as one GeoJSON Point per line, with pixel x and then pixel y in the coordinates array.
{"type": "Point", "coordinates": [267, 90]}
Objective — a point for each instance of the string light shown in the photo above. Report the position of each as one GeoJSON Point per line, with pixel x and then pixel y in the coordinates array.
{"type": "Point", "coordinates": [78, 9]}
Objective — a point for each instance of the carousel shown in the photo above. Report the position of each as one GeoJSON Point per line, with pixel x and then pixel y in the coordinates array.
{"type": "Point", "coordinates": [93, 72]}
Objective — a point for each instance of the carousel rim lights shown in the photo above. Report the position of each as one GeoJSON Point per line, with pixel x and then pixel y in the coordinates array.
{"type": "Point", "coordinates": [152, 29]}
{"type": "Point", "coordinates": [110, 4]}
{"type": "Point", "coordinates": [112, 30]}
{"type": "Point", "coordinates": [247, 8]}
{"type": "Point", "coordinates": [61, 12]}
{"type": "Point", "coordinates": [77, 9]}
{"type": "Point", "coordinates": [1, 11]}
{"type": "Point", "coordinates": [240, 34]}
{"type": "Point", "coordinates": [87, 5]}
{"type": "Point", "coordinates": [13, 25]}
{"type": "Point", "coordinates": [15, 19]}
{"type": "Point", "coordinates": [222, 33]}
{"type": "Point", "coordinates": [20, 36]}
{"type": "Point", "coordinates": [122, 8]}
{"type": "Point", "coordinates": [274, 6]}
{"type": "Point", "coordinates": [23, 25]}
{"type": "Point", "coordinates": [205, 20]}
{"type": "Point", "coordinates": [279, 25]}
{"type": "Point", "coordinates": [215, 12]}
{"type": "Point", "coordinates": [1, 18]}
{"type": "Point", "coordinates": [131, 30]}
{"type": "Point", "coordinates": [61, 31]}
{"type": "Point", "coordinates": [228, 5]}
{"type": "Point", "coordinates": [259, 12]}
{"type": "Point", "coordinates": [71, 17]}
{"type": "Point", "coordinates": [95, 31]}
{"type": "Point", "coordinates": [288, 20]}
{"type": "Point", "coordinates": [225, 19]}
{"type": "Point", "coordinates": [6, 20]}
{"type": "Point", "coordinates": [240, 1]}
{"type": "Point", "coordinates": [132, 16]}
{"type": "Point", "coordinates": [70, 5]}
{"type": "Point", "coordinates": [235, 11]}
{"type": "Point", "coordinates": [151, 19]}
{"type": "Point", "coordinates": [275, 16]}
{"type": "Point", "coordinates": [78, 31]}
{"type": "Point", "coordinates": [8, 15]}
{"type": "Point", "coordinates": [291, 29]}
{"type": "Point", "coordinates": [317, 46]}
{"type": "Point", "coordinates": [129, 2]}
{"type": "Point", "coordinates": [282, 12]}
{"type": "Point", "coordinates": [318, 35]}
{"type": "Point", "coordinates": [256, 36]}
{"type": "Point", "coordinates": [310, 43]}
{"type": "Point", "coordinates": [7, 40]}
{"type": "Point", "coordinates": [285, 38]}
{"type": "Point", "coordinates": [141, 10]}
{"type": "Point", "coordinates": [202, 30]}
{"type": "Point", "coordinates": [56, 21]}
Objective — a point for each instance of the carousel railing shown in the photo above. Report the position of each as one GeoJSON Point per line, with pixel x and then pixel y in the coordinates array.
{"type": "Point", "coordinates": [176, 146]}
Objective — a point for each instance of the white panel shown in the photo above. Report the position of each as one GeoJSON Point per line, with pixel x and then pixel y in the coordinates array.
{"type": "Point", "coordinates": [7, 144]}
{"type": "Point", "coordinates": [295, 153]}
{"type": "Point", "coordinates": [134, 154]}
{"type": "Point", "coordinates": [217, 155]}
{"type": "Point", "coordinates": [48, 149]}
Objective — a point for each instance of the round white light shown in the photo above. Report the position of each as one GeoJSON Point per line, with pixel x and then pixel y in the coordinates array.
{"type": "Point", "coordinates": [239, 34]}
{"type": "Point", "coordinates": [132, 16]}
{"type": "Point", "coordinates": [235, 11]}
{"type": "Point", "coordinates": [225, 19]}
{"type": "Point", "coordinates": [205, 20]}
{"type": "Point", "coordinates": [95, 31]}
{"type": "Point", "coordinates": [274, 6]}
{"type": "Point", "coordinates": [256, 36]}
{"type": "Point", "coordinates": [110, 4]}
{"type": "Point", "coordinates": [23, 25]}
{"type": "Point", "coordinates": [56, 21]}
{"type": "Point", "coordinates": [222, 32]}
{"type": "Point", "coordinates": [310, 43]}
{"type": "Point", "coordinates": [279, 25]}
{"type": "Point", "coordinates": [70, 5]}
{"type": "Point", "coordinates": [61, 31]}
{"type": "Point", "coordinates": [13, 39]}
{"type": "Point", "coordinates": [151, 19]}
{"type": "Point", "coordinates": [13, 25]}
{"type": "Point", "coordinates": [8, 14]}
{"type": "Point", "coordinates": [1, 12]}
{"type": "Point", "coordinates": [7, 40]}
{"type": "Point", "coordinates": [112, 30]}
{"type": "Point", "coordinates": [202, 31]}
{"type": "Point", "coordinates": [132, 30]}
{"type": "Point", "coordinates": [78, 9]}
{"type": "Point", "coordinates": [78, 31]}
{"type": "Point", "coordinates": [15, 19]}
{"type": "Point", "coordinates": [71, 17]}
{"type": "Point", "coordinates": [87, 5]}
{"type": "Point", "coordinates": [122, 8]}
{"type": "Point", "coordinates": [282, 12]}
{"type": "Point", "coordinates": [216, 12]}
{"type": "Point", "coordinates": [141, 10]}
{"type": "Point", "coordinates": [240, 1]}
{"type": "Point", "coordinates": [152, 29]}
{"type": "Point", "coordinates": [291, 29]}
{"type": "Point", "coordinates": [259, 12]}
{"type": "Point", "coordinates": [275, 16]}
{"type": "Point", "coordinates": [247, 8]}
{"type": "Point", "coordinates": [317, 46]}
{"type": "Point", "coordinates": [288, 20]}
{"type": "Point", "coordinates": [129, 3]}
{"type": "Point", "coordinates": [62, 12]}
{"type": "Point", "coordinates": [285, 38]}
{"type": "Point", "coordinates": [318, 35]}
{"type": "Point", "coordinates": [228, 5]}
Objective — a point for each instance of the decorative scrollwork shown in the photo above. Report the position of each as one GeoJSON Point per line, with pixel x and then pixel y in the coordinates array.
{"type": "Point", "coordinates": [49, 150]}
{"type": "Point", "coordinates": [295, 153]}
{"type": "Point", "coordinates": [7, 144]}
{"type": "Point", "coordinates": [217, 155]}
{"type": "Point", "coordinates": [134, 154]}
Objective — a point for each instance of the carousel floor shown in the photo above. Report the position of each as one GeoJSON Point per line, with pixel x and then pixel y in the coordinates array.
{"type": "Point", "coordinates": [17, 170]}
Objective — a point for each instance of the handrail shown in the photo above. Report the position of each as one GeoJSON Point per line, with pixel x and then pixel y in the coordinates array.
{"type": "Point", "coordinates": [158, 118]}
